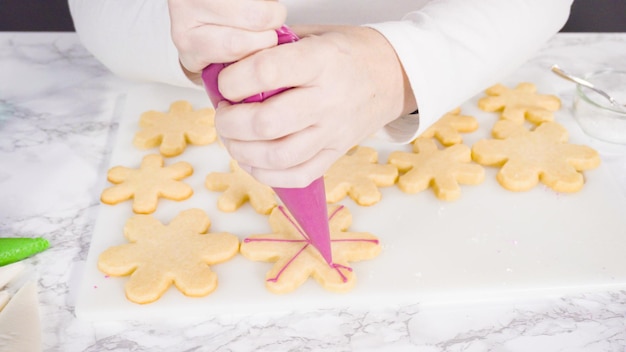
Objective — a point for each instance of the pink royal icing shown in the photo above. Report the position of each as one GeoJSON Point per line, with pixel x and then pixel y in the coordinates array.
{"type": "Point", "coordinates": [307, 241]}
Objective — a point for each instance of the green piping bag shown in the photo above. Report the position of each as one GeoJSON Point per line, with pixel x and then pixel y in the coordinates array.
{"type": "Point", "coordinates": [15, 249]}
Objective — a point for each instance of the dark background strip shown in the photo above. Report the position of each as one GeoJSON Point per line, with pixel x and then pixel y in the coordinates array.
{"type": "Point", "coordinates": [53, 15]}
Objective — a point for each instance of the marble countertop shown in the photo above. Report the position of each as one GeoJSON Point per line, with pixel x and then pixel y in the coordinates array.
{"type": "Point", "coordinates": [57, 125]}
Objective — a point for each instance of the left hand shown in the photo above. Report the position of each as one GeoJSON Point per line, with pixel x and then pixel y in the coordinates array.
{"type": "Point", "coordinates": [347, 83]}
{"type": "Point", "coordinates": [214, 31]}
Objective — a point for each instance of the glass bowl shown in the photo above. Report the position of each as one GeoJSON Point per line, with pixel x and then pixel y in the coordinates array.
{"type": "Point", "coordinates": [595, 114]}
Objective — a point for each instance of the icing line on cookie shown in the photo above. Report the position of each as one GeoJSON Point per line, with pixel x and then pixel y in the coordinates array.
{"type": "Point", "coordinates": [339, 208]}
{"type": "Point", "coordinates": [247, 240]}
{"type": "Point", "coordinates": [294, 223]}
{"type": "Point", "coordinates": [335, 266]}
{"type": "Point", "coordinates": [274, 279]}
{"type": "Point", "coordinates": [355, 240]}
{"type": "Point", "coordinates": [338, 268]}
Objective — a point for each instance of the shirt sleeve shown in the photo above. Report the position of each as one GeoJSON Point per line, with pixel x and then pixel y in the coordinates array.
{"type": "Point", "coordinates": [129, 38]}
{"type": "Point", "coordinates": [453, 49]}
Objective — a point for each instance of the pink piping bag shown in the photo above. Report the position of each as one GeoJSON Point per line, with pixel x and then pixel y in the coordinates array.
{"type": "Point", "coordinates": [308, 204]}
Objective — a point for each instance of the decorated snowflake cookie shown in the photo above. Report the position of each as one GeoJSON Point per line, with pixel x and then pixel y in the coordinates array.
{"type": "Point", "coordinates": [443, 169]}
{"type": "Point", "coordinates": [296, 259]}
{"type": "Point", "coordinates": [358, 175]}
{"type": "Point", "coordinates": [146, 184]}
{"type": "Point", "coordinates": [238, 187]}
{"type": "Point", "coordinates": [174, 129]}
{"type": "Point", "coordinates": [158, 256]}
{"type": "Point", "coordinates": [520, 104]}
{"type": "Point", "coordinates": [449, 127]}
{"type": "Point", "coordinates": [527, 157]}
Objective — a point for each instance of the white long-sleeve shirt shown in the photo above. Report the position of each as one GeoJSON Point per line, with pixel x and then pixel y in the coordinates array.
{"type": "Point", "coordinates": [449, 49]}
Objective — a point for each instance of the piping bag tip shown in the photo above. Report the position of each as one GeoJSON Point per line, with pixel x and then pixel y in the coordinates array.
{"type": "Point", "coordinates": [308, 206]}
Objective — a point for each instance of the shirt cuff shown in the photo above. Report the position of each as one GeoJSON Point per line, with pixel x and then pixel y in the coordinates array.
{"type": "Point", "coordinates": [421, 64]}
{"type": "Point", "coordinates": [401, 130]}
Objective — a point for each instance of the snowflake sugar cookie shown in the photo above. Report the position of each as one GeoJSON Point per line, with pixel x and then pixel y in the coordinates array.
{"type": "Point", "coordinates": [296, 259]}
{"type": "Point", "coordinates": [358, 175]}
{"type": "Point", "coordinates": [443, 169]}
{"type": "Point", "coordinates": [238, 187]}
{"type": "Point", "coordinates": [158, 256]}
{"type": "Point", "coordinates": [146, 184]}
{"type": "Point", "coordinates": [174, 129]}
{"type": "Point", "coordinates": [449, 127]}
{"type": "Point", "coordinates": [527, 157]}
{"type": "Point", "coordinates": [520, 104]}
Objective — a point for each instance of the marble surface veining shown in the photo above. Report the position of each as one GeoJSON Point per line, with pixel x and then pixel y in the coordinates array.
{"type": "Point", "coordinates": [57, 123]}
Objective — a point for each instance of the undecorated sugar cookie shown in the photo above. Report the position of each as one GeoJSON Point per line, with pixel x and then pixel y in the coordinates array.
{"type": "Point", "coordinates": [239, 187]}
{"type": "Point", "coordinates": [526, 157]}
{"type": "Point", "coordinates": [158, 256]}
{"type": "Point", "coordinates": [172, 130]}
{"type": "Point", "coordinates": [520, 104]}
{"type": "Point", "coordinates": [148, 183]}
{"type": "Point", "coordinates": [358, 174]}
{"type": "Point", "coordinates": [443, 169]}
{"type": "Point", "coordinates": [447, 130]}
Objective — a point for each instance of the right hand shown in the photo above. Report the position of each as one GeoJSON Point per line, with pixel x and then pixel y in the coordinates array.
{"type": "Point", "coordinates": [217, 31]}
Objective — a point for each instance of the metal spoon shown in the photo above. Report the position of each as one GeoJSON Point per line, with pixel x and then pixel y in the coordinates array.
{"type": "Point", "coordinates": [556, 69]}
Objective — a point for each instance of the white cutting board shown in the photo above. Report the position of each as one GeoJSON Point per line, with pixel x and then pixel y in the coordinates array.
{"type": "Point", "coordinates": [489, 244]}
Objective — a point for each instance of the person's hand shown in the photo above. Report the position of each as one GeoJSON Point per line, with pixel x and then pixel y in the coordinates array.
{"type": "Point", "coordinates": [347, 83]}
{"type": "Point", "coordinates": [216, 31]}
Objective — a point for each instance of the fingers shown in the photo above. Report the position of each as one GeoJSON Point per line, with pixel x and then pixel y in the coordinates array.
{"type": "Point", "coordinates": [289, 65]}
{"type": "Point", "coordinates": [300, 175]}
{"type": "Point", "coordinates": [304, 30]}
{"type": "Point", "coordinates": [209, 44]}
{"type": "Point", "coordinates": [293, 161]}
{"type": "Point", "coordinates": [249, 15]}
{"type": "Point", "coordinates": [282, 153]}
{"type": "Point", "coordinates": [206, 32]}
{"type": "Point", "coordinates": [279, 116]}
